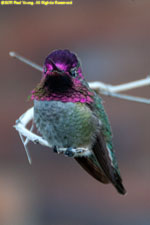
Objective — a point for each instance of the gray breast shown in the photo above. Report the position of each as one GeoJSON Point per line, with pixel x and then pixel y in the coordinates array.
{"type": "Point", "coordinates": [65, 124]}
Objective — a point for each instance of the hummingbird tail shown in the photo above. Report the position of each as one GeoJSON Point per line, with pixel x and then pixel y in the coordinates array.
{"type": "Point", "coordinates": [106, 163]}
{"type": "Point", "coordinates": [118, 184]}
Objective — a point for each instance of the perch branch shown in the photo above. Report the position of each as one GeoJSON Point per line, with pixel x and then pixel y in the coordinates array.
{"type": "Point", "coordinates": [26, 61]}
{"type": "Point", "coordinates": [121, 87]}
{"type": "Point", "coordinates": [105, 89]}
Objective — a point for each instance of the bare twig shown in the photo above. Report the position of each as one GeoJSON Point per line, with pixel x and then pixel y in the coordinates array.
{"type": "Point", "coordinates": [121, 87]}
{"type": "Point", "coordinates": [127, 97]}
{"type": "Point", "coordinates": [26, 61]}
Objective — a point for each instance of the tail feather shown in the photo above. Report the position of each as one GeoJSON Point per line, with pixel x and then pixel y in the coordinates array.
{"type": "Point", "coordinates": [118, 184]}
{"type": "Point", "coordinates": [102, 156]}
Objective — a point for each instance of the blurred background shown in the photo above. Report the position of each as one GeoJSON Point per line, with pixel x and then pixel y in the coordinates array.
{"type": "Point", "coordinates": [112, 39]}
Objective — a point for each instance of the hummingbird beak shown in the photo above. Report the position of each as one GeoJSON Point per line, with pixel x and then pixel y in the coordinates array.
{"type": "Point", "coordinates": [55, 68]}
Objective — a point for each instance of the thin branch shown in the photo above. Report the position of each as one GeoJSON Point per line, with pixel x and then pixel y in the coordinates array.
{"type": "Point", "coordinates": [26, 61]}
{"type": "Point", "coordinates": [26, 149]}
{"type": "Point", "coordinates": [121, 87]}
{"type": "Point", "coordinates": [127, 97]}
{"type": "Point", "coordinates": [21, 124]}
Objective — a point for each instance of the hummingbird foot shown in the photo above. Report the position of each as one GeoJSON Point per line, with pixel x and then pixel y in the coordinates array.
{"type": "Point", "coordinates": [70, 152]}
{"type": "Point", "coordinates": [55, 150]}
{"type": "Point", "coordinates": [59, 150]}
{"type": "Point", "coordinates": [77, 152]}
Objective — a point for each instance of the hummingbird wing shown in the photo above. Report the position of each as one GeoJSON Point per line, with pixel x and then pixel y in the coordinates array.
{"type": "Point", "coordinates": [103, 147]}
{"type": "Point", "coordinates": [91, 165]}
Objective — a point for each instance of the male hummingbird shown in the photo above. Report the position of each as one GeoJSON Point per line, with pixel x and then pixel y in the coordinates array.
{"type": "Point", "coordinates": [70, 115]}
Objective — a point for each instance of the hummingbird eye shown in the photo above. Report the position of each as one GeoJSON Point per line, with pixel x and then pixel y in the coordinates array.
{"type": "Point", "coordinates": [73, 72]}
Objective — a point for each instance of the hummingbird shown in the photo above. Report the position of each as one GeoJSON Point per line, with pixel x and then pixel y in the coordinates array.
{"type": "Point", "coordinates": [70, 115]}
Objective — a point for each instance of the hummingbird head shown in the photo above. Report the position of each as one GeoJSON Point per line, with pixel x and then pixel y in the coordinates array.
{"type": "Point", "coordinates": [61, 71]}
{"type": "Point", "coordinates": [62, 78]}
{"type": "Point", "coordinates": [62, 61]}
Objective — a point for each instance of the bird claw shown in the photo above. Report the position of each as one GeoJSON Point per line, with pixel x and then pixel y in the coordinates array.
{"type": "Point", "coordinates": [55, 150]}
{"type": "Point", "coordinates": [36, 141]}
{"type": "Point", "coordinates": [70, 152]}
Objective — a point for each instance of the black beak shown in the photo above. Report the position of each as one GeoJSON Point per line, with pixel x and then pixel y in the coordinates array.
{"type": "Point", "coordinates": [55, 68]}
